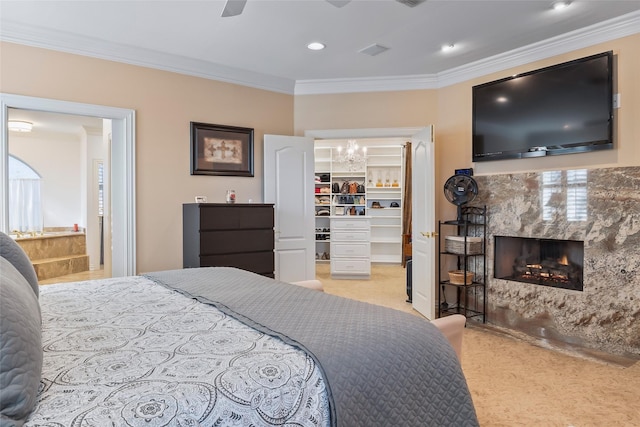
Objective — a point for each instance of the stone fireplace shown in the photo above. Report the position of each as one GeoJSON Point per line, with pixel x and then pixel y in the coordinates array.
{"type": "Point", "coordinates": [546, 262]}
{"type": "Point", "coordinates": [600, 208]}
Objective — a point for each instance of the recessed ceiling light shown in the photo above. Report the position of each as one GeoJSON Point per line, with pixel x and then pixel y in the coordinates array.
{"type": "Point", "coordinates": [559, 5]}
{"type": "Point", "coordinates": [19, 126]}
{"type": "Point", "coordinates": [448, 47]}
{"type": "Point", "coordinates": [315, 46]}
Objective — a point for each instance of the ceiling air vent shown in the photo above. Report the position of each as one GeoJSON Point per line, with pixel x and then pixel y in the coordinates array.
{"type": "Point", "coordinates": [373, 50]}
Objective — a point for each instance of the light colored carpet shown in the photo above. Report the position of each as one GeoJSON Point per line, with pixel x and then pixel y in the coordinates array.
{"type": "Point", "coordinates": [516, 381]}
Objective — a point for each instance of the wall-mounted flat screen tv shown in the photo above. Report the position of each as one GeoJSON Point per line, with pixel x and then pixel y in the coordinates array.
{"type": "Point", "coordinates": [562, 109]}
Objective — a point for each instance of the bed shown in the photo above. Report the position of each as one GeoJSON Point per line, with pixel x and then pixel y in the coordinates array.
{"type": "Point", "coordinates": [216, 347]}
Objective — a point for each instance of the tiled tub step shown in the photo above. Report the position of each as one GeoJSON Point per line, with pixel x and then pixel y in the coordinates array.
{"type": "Point", "coordinates": [54, 245]}
{"type": "Point", "coordinates": [56, 254]}
{"type": "Point", "coordinates": [54, 267]}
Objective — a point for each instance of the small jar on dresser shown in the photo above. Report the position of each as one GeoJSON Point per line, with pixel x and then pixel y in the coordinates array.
{"type": "Point", "coordinates": [350, 247]}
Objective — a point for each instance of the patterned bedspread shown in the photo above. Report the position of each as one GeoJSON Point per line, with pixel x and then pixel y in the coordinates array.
{"type": "Point", "coordinates": [128, 352]}
{"type": "Point", "coordinates": [382, 367]}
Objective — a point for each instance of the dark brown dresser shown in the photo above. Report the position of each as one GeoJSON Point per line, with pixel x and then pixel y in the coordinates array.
{"type": "Point", "coordinates": [228, 235]}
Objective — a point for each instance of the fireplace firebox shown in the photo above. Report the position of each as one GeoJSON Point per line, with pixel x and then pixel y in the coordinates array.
{"type": "Point", "coordinates": [547, 262]}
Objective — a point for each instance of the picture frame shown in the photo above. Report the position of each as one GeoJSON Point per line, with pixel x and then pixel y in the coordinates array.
{"type": "Point", "coordinates": [221, 150]}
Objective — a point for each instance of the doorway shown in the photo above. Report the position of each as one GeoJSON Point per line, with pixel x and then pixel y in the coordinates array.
{"type": "Point", "coordinates": [120, 175]}
{"type": "Point", "coordinates": [69, 153]}
{"type": "Point", "coordinates": [377, 167]}
{"type": "Point", "coordinates": [386, 244]}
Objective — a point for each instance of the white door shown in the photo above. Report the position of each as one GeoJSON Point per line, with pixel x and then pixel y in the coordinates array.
{"type": "Point", "coordinates": [288, 183]}
{"type": "Point", "coordinates": [423, 223]}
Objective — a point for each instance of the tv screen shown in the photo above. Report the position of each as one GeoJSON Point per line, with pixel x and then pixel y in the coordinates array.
{"type": "Point", "coordinates": [562, 109]}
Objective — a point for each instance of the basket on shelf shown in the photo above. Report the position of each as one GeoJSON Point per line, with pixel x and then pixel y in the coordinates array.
{"type": "Point", "coordinates": [456, 277]}
{"type": "Point", "coordinates": [455, 245]}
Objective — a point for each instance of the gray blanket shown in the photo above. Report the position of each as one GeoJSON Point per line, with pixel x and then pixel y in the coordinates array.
{"type": "Point", "coordinates": [383, 367]}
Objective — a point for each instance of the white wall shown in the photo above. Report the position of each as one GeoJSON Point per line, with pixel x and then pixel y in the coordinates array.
{"type": "Point", "coordinates": [57, 159]}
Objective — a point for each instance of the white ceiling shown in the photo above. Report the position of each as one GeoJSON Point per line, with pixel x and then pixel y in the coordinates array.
{"type": "Point", "coordinates": [46, 122]}
{"type": "Point", "coordinates": [265, 46]}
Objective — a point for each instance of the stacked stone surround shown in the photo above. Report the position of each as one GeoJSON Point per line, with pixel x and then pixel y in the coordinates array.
{"type": "Point", "coordinates": [605, 316]}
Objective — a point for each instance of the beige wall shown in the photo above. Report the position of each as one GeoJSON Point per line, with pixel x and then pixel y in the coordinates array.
{"type": "Point", "coordinates": [415, 108]}
{"type": "Point", "coordinates": [449, 110]}
{"type": "Point", "coordinates": [165, 103]}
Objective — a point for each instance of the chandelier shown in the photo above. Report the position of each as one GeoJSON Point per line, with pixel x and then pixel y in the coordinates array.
{"type": "Point", "coordinates": [353, 158]}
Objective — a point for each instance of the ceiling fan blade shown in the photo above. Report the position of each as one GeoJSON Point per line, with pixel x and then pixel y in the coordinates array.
{"type": "Point", "coordinates": [233, 7]}
{"type": "Point", "coordinates": [411, 3]}
{"type": "Point", "coordinates": [339, 3]}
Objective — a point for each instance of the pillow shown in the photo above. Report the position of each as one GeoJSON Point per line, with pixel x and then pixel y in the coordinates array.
{"type": "Point", "coordinates": [20, 346]}
{"type": "Point", "coordinates": [12, 252]}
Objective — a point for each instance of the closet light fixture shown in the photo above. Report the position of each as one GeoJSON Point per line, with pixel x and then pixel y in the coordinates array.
{"type": "Point", "coordinates": [353, 157]}
{"type": "Point", "coordinates": [19, 126]}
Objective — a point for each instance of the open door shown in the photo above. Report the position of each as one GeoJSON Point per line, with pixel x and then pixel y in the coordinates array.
{"type": "Point", "coordinates": [423, 223]}
{"type": "Point", "coordinates": [288, 183]}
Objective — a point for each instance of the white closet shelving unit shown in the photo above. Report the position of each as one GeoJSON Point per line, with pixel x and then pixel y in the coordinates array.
{"type": "Point", "coordinates": [323, 203]}
{"type": "Point", "coordinates": [384, 202]}
{"type": "Point", "coordinates": [382, 176]}
{"type": "Point", "coordinates": [351, 247]}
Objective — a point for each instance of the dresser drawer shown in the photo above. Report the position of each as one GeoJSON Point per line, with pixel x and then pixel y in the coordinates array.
{"type": "Point", "coordinates": [350, 266]}
{"type": "Point", "coordinates": [349, 236]}
{"type": "Point", "coordinates": [258, 262]}
{"type": "Point", "coordinates": [238, 241]}
{"type": "Point", "coordinates": [349, 223]}
{"type": "Point", "coordinates": [350, 250]}
{"type": "Point", "coordinates": [235, 217]}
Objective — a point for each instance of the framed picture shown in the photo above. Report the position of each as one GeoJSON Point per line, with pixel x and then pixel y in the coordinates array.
{"type": "Point", "coordinates": [221, 150]}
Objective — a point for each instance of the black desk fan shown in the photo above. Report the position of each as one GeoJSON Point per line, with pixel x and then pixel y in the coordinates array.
{"type": "Point", "coordinates": [460, 189]}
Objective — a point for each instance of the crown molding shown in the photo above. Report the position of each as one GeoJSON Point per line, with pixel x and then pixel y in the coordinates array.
{"type": "Point", "coordinates": [611, 29]}
{"type": "Point", "coordinates": [622, 26]}
{"type": "Point", "coordinates": [97, 48]}
{"type": "Point", "coordinates": [605, 31]}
